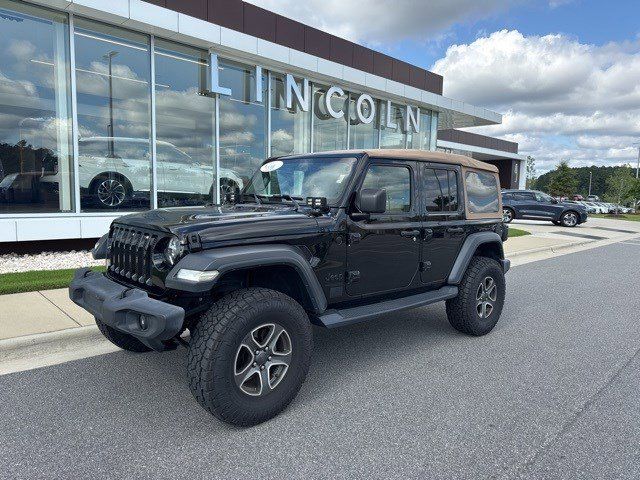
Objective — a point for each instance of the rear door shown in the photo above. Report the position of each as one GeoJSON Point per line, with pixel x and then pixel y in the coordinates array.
{"type": "Point", "coordinates": [383, 251]}
{"type": "Point", "coordinates": [443, 221]}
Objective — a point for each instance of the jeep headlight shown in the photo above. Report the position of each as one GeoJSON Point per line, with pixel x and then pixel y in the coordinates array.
{"type": "Point", "coordinates": [173, 251]}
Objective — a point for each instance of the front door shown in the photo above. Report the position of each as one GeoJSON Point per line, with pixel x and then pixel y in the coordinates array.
{"type": "Point", "coordinates": [444, 225]}
{"type": "Point", "coordinates": [383, 251]}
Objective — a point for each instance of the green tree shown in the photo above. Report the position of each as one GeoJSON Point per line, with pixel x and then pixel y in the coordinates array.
{"type": "Point", "coordinates": [621, 186]}
{"type": "Point", "coordinates": [563, 181]}
{"type": "Point", "coordinates": [531, 172]}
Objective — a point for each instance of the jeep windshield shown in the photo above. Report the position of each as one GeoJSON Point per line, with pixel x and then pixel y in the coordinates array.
{"type": "Point", "coordinates": [297, 178]}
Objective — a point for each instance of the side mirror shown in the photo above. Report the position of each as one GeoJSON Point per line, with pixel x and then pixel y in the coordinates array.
{"type": "Point", "coordinates": [372, 200]}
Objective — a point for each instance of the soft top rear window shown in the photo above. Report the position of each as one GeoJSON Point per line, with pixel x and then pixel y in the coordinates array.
{"type": "Point", "coordinates": [482, 192]}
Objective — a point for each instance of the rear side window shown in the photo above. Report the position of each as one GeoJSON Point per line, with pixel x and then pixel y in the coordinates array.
{"type": "Point", "coordinates": [440, 189]}
{"type": "Point", "coordinates": [396, 180]}
{"type": "Point", "coordinates": [482, 192]}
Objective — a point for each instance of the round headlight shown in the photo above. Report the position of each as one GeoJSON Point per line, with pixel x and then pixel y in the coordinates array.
{"type": "Point", "coordinates": [173, 251]}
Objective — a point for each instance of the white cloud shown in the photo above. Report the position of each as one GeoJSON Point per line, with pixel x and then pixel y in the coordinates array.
{"type": "Point", "coordinates": [561, 99]}
{"type": "Point", "coordinates": [379, 21]}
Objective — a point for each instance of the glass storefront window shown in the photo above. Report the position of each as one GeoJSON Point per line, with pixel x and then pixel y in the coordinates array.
{"type": "Point", "coordinates": [35, 120]}
{"type": "Point", "coordinates": [363, 135]}
{"type": "Point", "coordinates": [243, 125]}
{"type": "Point", "coordinates": [290, 128]}
{"type": "Point", "coordinates": [185, 126]}
{"type": "Point", "coordinates": [422, 139]}
{"type": "Point", "coordinates": [329, 133]}
{"type": "Point", "coordinates": [392, 137]}
{"type": "Point", "coordinates": [113, 73]}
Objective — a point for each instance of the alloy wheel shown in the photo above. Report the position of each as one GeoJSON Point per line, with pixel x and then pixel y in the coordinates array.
{"type": "Point", "coordinates": [111, 192]}
{"type": "Point", "coordinates": [486, 297]}
{"type": "Point", "coordinates": [507, 215]}
{"type": "Point", "coordinates": [570, 219]}
{"type": "Point", "coordinates": [262, 359]}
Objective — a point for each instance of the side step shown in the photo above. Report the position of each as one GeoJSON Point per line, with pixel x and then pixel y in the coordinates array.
{"type": "Point", "coordinates": [347, 316]}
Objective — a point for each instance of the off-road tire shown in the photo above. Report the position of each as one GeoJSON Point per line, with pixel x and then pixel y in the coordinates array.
{"type": "Point", "coordinates": [214, 344]}
{"type": "Point", "coordinates": [462, 310]}
{"type": "Point", "coordinates": [122, 340]}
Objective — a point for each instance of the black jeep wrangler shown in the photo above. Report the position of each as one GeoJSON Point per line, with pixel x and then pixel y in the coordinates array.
{"type": "Point", "coordinates": [328, 239]}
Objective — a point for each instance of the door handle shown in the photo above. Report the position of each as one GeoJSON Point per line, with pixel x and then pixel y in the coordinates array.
{"type": "Point", "coordinates": [455, 230]}
{"type": "Point", "coordinates": [428, 233]}
{"type": "Point", "coordinates": [410, 233]}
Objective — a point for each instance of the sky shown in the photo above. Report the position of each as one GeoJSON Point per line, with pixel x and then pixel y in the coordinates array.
{"type": "Point", "coordinates": [565, 74]}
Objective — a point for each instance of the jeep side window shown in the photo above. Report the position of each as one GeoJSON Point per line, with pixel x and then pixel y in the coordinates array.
{"type": "Point", "coordinates": [396, 180]}
{"type": "Point", "coordinates": [441, 190]}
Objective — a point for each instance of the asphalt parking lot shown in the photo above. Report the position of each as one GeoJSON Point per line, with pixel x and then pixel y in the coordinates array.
{"type": "Point", "coordinates": [552, 392]}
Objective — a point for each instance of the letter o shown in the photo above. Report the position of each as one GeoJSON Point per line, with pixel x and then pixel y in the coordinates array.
{"type": "Point", "coordinates": [361, 99]}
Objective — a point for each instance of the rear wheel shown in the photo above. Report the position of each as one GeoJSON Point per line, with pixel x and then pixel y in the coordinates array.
{"type": "Point", "coordinates": [110, 191]}
{"type": "Point", "coordinates": [122, 340]}
{"type": "Point", "coordinates": [249, 355]}
{"type": "Point", "coordinates": [508, 215]}
{"type": "Point", "coordinates": [477, 308]}
{"type": "Point", "coordinates": [569, 219]}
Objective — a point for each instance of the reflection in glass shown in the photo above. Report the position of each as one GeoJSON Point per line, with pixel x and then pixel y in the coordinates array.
{"type": "Point", "coordinates": [396, 181]}
{"type": "Point", "coordinates": [185, 147]}
{"type": "Point", "coordinates": [392, 137]}
{"type": "Point", "coordinates": [114, 99]}
{"type": "Point", "coordinates": [422, 139]}
{"type": "Point", "coordinates": [363, 135]}
{"type": "Point", "coordinates": [290, 128]}
{"type": "Point", "coordinates": [482, 192]}
{"type": "Point", "coordinates": [329, 133]}
{"type": "Point", "coordinates": [243, 125]}
{"type": "Point", "coordinates": [300, 178]}
{"type": "Point", "coordinates": [35, 126]}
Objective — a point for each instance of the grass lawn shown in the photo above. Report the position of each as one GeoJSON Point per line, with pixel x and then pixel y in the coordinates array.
{"type": "Point", "coordinates": [515, 232]}
{"type": "Point", "coordinates": [36, 280]}
{"type": "Point", "coordinates": [632, 217]}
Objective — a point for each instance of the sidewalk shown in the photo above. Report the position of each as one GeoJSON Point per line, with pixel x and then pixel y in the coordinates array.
{"type": "Point", "coordinates": [23, 315]}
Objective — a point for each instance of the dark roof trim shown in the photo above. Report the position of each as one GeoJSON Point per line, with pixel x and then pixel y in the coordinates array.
{"type": "Point", "coordinates": [258, 22]}
{"type": "Point", "coordinates": [476, 140]}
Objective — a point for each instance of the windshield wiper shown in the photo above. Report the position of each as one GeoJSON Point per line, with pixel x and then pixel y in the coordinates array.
{"type": "Point", "coordinates": [292, 200]}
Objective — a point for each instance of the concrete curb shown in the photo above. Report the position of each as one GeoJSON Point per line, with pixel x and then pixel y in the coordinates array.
{"type": "Point", "coordinates": [551, 249]}
{"type": "Point", "coordinates": [78, 333]}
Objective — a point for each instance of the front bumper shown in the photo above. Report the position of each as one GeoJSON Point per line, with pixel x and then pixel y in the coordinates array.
{"type": "Point", "coordinates": [122, 308]}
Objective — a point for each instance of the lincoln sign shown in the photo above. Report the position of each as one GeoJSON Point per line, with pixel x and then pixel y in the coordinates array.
{"type": "Point", "coordinates": [301, 95]}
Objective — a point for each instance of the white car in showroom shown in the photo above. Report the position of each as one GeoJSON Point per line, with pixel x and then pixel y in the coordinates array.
{"type": "Point", "coordinates": [114, 170]}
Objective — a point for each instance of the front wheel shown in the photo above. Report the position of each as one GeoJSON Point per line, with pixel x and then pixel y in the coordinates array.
{"type": "Point", "coordinates": [477, 308]}
{"type": "Point", "coordinates": [569, 219]}
{"type": "Point", "coordinates": [249, 355]}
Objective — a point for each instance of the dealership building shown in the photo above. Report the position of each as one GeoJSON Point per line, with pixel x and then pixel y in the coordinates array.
{"type": "Point", "coordinates": [109, 107]}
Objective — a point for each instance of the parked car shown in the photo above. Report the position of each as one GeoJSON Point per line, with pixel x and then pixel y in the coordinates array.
{"type": "Point", "coordinates": [535, 205]}
{"type": "Point", "coordinates": [114, 179]}
{"type": "Point", "coordinates": [577, 198]}
{"type": "Point", "coordinates": [600, 209]}
{"type": "Point", "coordinates": [328, 239]}
{"type": "Point", "coordinates": [593, 198]}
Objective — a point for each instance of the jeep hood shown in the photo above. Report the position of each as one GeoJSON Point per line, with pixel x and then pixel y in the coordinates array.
{"type": "Point", "coordinates": [229, 222]}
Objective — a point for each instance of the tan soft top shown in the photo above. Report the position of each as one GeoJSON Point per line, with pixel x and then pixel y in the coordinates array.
{"type": "Point", "coordinates": [422, 155]}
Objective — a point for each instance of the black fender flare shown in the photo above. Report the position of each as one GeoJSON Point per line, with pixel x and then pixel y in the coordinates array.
{"type": "Point", "coordinates": [467, 251]}
{"type": "Point", "coordinates": [227, 259]}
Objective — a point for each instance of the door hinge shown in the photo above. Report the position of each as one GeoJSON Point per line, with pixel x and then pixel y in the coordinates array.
{"type": "Point", "coordinates": [354, 238]}
{"type": "Point", "coordinates": [425, 266]}
{"type": "Point", "coordinates": [352, 276]}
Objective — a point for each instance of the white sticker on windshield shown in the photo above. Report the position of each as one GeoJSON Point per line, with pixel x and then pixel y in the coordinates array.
{"type": "Point", "coordinates": [271, 166]}
{"type": "Point", "coordinates": [341, 178]}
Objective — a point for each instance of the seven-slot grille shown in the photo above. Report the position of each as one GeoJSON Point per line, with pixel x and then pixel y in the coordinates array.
{"type": "Point", "coordinates": [131, 253]}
